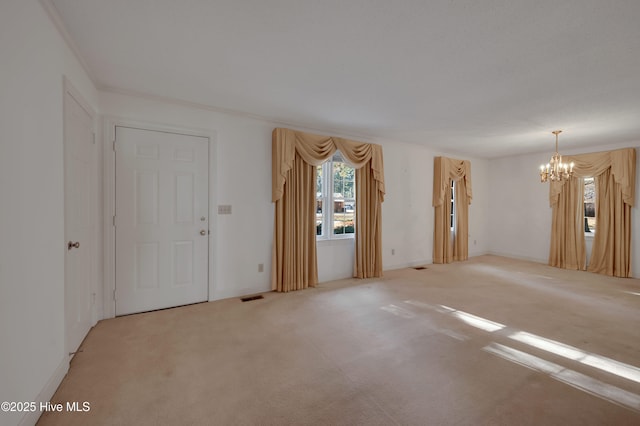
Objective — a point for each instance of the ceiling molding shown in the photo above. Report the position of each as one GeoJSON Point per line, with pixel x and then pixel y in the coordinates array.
{"type": "Point", "coordinates": [277, 122]}
{"type": "Point", "coordinates": [55, 18]}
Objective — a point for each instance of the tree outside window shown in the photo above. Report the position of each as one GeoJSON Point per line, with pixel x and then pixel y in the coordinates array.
{"type": "Point", "coordinates": [589, 205]}
{"type": "Point", "coordinates": [339, 192]}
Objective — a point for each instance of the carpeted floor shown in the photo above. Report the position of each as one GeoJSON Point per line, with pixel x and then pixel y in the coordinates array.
{"type": "Point", "coordinates": [490, 341]}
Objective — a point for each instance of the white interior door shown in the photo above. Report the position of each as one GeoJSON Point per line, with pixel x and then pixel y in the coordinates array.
{"type": "Point", "coordinates": [162, 219]}
{"type": "Point", "coordinates": [79, 220]}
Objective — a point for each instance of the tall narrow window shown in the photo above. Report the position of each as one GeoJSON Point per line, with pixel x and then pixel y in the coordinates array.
{"type": "Point", "coordinates": [319, 199]}
{"type": "Point", "coordinates": [335, 199]}
{"type": "Point", "coordinates": [453, 207]}
{"type": "Point", "coordinates": [589, 206]}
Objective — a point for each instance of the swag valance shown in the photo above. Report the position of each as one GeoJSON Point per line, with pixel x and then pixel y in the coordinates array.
{"type": "Point", "coordinates": [315, 150]}
{"type": "Point", "coordinates": [295, 156]}
{"type": "Point", "coordinates": [446, 170]}
{"type": "Point", "coordinates": [614, 174]}
{"type": "Point", "coordinates": [622, 163]}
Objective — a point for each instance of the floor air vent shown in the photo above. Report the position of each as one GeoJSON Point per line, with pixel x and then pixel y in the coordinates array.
{"type": "Point", "coordinates": [250, 298]}
{"type": "Point", "coordinates": [419, 268]}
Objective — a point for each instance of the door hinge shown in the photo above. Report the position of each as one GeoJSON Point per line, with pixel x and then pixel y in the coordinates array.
{"type": "Point", "coordinates": [113, 145]}
{"type": "Point", "coordinates": [114, 294]}
{"type": "Point", "coordinates": [94, 138]}
{"type": "Point", "coordinates": [114, 221]}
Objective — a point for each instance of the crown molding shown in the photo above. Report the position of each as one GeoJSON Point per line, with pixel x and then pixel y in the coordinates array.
{"type": "Point", "coordinates": [55, 18]}
{"type": "Point", "coordinates": [277, 122]}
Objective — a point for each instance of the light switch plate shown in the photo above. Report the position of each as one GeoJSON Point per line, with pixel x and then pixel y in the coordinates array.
{"type": "Point", "coordinates": [224, 209]}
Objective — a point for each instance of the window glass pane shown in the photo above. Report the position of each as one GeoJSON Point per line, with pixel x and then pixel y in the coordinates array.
{"type": "Point", "coordinates": [335, 198]}
{"type": "Point", "coordinates": [344, 200]}
{"type": "Point", "coordinates": [319, 180]}
{"type": "Point", "coordinates": [589, 205]}
{"type": "Point", "coordinates": [453, 214]}
{"type": "Point", "coordinates": [319, 217]}
{"type": "Point", "coordinates": [319, 200]}
{"type": "Point", "coordinates": [348, 189]}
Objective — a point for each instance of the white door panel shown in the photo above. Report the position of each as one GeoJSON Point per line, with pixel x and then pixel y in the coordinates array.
{"type": "Point", "coordinates": [79, 221]}
{"type": "Point", "coordinates": [162, 220]}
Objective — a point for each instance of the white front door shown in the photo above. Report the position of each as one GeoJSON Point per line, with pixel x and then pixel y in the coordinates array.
{"type": "Point", "coordinates": [162, 219]}
{"type": "Point", "coordinates": [79, 223]}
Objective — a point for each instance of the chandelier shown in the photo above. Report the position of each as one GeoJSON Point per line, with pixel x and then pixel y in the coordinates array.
{"type": "Point", "coordinates": [556, 170]}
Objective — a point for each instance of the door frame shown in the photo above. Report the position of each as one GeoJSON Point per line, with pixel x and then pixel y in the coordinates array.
{"type": "Point", "coordinates": [109, 190]}
{"type": "Point", "coordinates": [69, 89]}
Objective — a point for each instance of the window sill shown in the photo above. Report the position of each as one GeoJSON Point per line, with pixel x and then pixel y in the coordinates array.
{"type": "Point", "coordinates": [589, 235]}
{"type": "Point", "coordinates": [334, 241]}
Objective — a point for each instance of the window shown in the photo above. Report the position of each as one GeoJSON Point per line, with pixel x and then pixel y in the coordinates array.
{"type": "Point", "coordinates": [589, 205]}
{"type": "Point", "coordinates": [335, 187]}
{"type": "Point", "coordinates": [453, 207]}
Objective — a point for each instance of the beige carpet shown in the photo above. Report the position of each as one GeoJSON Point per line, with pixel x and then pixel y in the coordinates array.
{"type": "Point", "coordinates": [458, 344]}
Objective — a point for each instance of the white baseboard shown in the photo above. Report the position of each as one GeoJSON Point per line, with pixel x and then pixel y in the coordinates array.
{"type": "Point", "coordinates": [31, 418]}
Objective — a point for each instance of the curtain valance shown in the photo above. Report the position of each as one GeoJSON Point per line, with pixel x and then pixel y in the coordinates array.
{"type": "Point", "coordinates": [295, 157]}
{"type": "Point", "coordinates": [444, 171]}
{"type": "Point", "coordinates": [314, 150]}
{"type": "Point", "coordinates": [449, 168]}
{"type": "Point", "coordinates": [621, 162]}
{"type": "Point", "coordinates": [614, 173]}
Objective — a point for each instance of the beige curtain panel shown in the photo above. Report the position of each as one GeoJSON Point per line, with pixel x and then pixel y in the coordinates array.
{"type": "Point", "coordinates": [446, 170]}
{"type": "Point", "coordinates": [614, 173]}
{"type": "Point", "coordinates": [295, 156]}
{"type": "Point", "coordinates": [568, 249]}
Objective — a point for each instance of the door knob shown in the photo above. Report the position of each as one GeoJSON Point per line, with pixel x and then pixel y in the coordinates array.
{"type": "Point", "coordinates": [71, 245]}
{"type": "Point", "coordinates": [203, 232]}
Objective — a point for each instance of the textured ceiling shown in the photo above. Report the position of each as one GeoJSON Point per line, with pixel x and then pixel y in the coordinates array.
{"type": "Point", "coordinates": [483, 78]}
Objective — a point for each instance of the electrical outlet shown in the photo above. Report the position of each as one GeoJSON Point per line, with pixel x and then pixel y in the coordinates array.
{"type": "Point", "coordinates": [260, 267]}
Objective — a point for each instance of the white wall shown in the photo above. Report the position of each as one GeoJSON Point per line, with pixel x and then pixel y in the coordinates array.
{"type": "Point", "coordinates": [243, 179]}
{"type": "Point", "coordinates": [335, 259]}
{"type": "Point", "coordinates": [34, 60]}
{"type": "Point", "coordinates": [407, 212]}
{"type": "Point", "coordinates": [519, 212]}
{"type": "Point", "coordinates": [479, 235]}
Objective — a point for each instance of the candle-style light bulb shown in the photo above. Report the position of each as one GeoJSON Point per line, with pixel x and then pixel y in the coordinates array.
{"type": "Point", "coordinates": [556, 170]}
